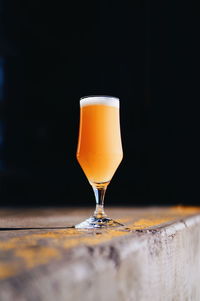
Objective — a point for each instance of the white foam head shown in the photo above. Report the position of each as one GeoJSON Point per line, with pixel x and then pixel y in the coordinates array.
{"type": "Point", "coordinates": [100, 100]}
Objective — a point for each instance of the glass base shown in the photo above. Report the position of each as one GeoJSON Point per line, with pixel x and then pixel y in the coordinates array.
{"type": "Point", "coordinates": [96, 223]}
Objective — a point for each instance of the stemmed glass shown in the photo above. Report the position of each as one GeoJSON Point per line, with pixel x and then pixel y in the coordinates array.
{"type": "Point", "coordinates": [99, 151]}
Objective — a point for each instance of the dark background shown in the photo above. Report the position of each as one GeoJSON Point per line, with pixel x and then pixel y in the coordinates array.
{"type": "Point", "coordinates": [142, 52]}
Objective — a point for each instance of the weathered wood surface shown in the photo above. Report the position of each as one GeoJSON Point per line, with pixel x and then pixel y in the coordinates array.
{"type": "Point", "coordinates": [156, 256]}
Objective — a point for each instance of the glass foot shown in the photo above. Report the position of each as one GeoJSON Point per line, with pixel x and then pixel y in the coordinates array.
{"type": "Point", "coordinates": [95, 223]}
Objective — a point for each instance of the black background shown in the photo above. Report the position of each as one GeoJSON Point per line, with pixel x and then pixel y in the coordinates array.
{"type": "Point", "coordinates": [142, 52]}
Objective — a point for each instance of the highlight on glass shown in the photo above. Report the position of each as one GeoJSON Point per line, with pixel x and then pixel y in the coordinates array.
{"type": "Point", "coordinates": [99, 151]}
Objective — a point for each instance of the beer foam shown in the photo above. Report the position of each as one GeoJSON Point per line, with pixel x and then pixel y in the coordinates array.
{"type": "Point", "coordinates": [100, 100]}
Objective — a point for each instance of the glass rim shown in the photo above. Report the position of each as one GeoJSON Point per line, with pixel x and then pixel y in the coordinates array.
{"type": "Point", "coordinates": [99, 100]}
{"type": "Point", "coordinates": [100, 96]}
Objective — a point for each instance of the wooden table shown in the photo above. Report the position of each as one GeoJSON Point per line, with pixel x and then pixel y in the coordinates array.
{"type": "Point", "coordinates": [156, 256]}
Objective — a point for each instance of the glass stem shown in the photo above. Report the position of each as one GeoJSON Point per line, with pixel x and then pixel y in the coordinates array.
{"type": "Point", "coordinates": [99, 192]}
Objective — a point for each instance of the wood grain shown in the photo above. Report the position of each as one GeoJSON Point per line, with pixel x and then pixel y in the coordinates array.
{"type": "Point", "coordinates": [154, 257]}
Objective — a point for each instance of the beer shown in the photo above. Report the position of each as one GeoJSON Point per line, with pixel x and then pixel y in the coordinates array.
{"type": "Point", "coordinates": [99, 152]}
{"type": "Point", "coordinates": [99, 149]}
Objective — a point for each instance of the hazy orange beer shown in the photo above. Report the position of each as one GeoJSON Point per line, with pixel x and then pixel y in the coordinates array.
{"type": "Point", "coordinates": [99, 149]}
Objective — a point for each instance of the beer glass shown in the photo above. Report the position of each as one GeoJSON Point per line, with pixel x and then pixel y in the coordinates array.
{"type": "Point", "coordinates": [99, 151]}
